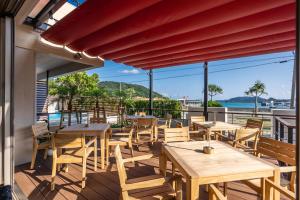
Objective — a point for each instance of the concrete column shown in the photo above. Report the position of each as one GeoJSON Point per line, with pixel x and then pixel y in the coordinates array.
{"type": "Point", "coordinates": [24, 103]}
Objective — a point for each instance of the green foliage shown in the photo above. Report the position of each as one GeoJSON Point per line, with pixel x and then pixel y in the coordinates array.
{"type": "Point", "coordinates": [257, 89]}
{"type": "Point", "coordinates": [161, 107]}
{"type": "Point", "coordinates": [213, 90]}
{"type": "Point", "coordinates": [214, 104]}
{"type": "Point", "coordinates": [73, 85]}
{"type": "Point", "coordinates": [140, 91]}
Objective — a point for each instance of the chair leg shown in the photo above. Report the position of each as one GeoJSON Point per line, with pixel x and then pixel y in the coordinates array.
{"type": "Point", "coordinates": [83, 172]}
{"type": "Point", "coordinates": [53, 175]}
{"type": "Point", "coordinates": [45, 154]}
{"type": "Point", "coordinates": [34, 152]}
{"type": "Point", "coordinates": [173, 173]}
{"type": "Point", "coordinates": [107, 153]}
{"type": "Point", "coordinates": [131, 149]}
{"type": "Point", "coordinates": [225, 189]}
{"type": "Point", "coordinates": [95, 156]}
{"type": "Point", "coordinates": [66, 169]}
{"type": "Point", "coordinates": [178, 189]}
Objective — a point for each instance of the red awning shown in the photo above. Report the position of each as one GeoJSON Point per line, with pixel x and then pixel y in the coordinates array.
{"type": "Point", "coordinates": [160, 33]}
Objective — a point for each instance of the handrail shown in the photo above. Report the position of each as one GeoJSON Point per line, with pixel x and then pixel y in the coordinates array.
{"type": "Point", "coordinates": [285, 122]}
{"type": "Point", "coordinates": [192, 111]}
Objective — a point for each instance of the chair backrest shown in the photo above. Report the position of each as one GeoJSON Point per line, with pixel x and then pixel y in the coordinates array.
{"type": "Point", "coordinates": [65, 140]}
{"type": "Point", "coordinates": [271, 185]}
{"type": "Point", "coordinates": [179, 124]}
{"type": "Point", "coordinates": [145, 122]}
{"type": "Point", "coordinates": [197, 119]}
{"type": "Point", "coordinates": [97, 120]}
{"type": "Point", "coordinates": [247, 134]}
{"type": "Point", "coordinates": [176, 134]}
{"type": "Point", "coordinates": [120, 166]}
{"type": "Point", "coordinates": [40, 129]}
{"type": "Point", "coordinates": [254, 123]}
{"type": "Point", "coordinates": [141, 113]}
{"type": "Point", "coordinates": [281, 151]}
{"type": "Point", "coordinates": [168, 120]}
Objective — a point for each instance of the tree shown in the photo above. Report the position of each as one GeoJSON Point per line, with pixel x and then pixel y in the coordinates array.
{"type": "Point", "coordinates": [213, 90]}
{"type": "Point", "coordinates": [58, 90]}
{"type": "Point", "coordinates": [125, 99]}
{"type": "Point", "coordinates": [256, 91]}
{"type": "Point", "coordinates": [73, 85]}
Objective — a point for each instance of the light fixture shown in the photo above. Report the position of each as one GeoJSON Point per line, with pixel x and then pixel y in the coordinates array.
{"type": "Point", "coordinates": [70, 50]}
{"type": "Point", "coordinates": [88, 56]}
{"type": "Point", "coordinates": [51, 43]}
{"type": "Point", "coordinates": [101, 58]}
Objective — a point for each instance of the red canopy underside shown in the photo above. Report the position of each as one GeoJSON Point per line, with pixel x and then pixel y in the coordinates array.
{"type": "Point", "coordinates": [161, 33]}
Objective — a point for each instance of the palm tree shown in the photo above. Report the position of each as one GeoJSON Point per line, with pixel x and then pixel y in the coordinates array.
{"type": "Point", "coordinates": [256, 91]}
{"type": "Point", "coordinates": [213, 90]}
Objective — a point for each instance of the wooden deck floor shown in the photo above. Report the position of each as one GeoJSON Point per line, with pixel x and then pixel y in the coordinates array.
{"type": "Point", "coordinates": [101, 185]}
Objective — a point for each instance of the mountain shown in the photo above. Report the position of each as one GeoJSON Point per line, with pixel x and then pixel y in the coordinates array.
{"type": "Point", "coordinates": [251, 100]}
{"type": "Point", "coordinates": [140, 91]}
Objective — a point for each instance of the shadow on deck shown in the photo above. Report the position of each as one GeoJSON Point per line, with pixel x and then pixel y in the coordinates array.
{"type": "Point", "coordinates": [100, 185]}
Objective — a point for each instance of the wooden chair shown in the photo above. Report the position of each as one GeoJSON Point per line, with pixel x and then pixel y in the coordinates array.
{"type": "Point", "coordinates": [176, 134]}
{"type": "Point", "coordinates": [282, 152]}
{"type": "Point", "coordinates": [249, 133]}
{"type": "Point", "coordinates": [195, 132]}
{"type": "Point", "coordinates": [166, 123]}
{"type": "Point", "coordinates": [141, 113]}
{"type": "Point", "coordinates": [158, 187]}
{"type": "Point", "coordinates": [41, 138]}
{"type": "Point", "coordinates": [145, 127]}
{"type": "Point", "coordinates": [195, 119]}
{"type": "Point", "coordinates": [215, 193]}
{"type": "Point", "coordinates": [121, 137]}
{"type": "Point", "coordinates": [270, 185]}
{"type": "Point", "coordinates": [72, 148]}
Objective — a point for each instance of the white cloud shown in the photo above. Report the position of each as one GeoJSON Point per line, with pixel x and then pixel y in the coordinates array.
{"type": "Point", "coordinates": [133, 71]}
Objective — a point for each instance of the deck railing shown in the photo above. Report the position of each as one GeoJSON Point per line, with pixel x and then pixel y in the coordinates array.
{"type": "Point", "coordinates": [281, 125]}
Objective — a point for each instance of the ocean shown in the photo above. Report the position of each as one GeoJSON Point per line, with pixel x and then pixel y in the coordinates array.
{"type": "Point", "coordinates": [240, 105]}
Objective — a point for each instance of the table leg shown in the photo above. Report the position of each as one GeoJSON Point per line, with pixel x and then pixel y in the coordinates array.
{"type": "Point", "coordinates": [162, 163]}
{"type": "Point", "coordinates": [192, 189]}
{"type": "Point", "coordinates": [276, 179]}
{"type": "Point", "coordinates": [102, 151]}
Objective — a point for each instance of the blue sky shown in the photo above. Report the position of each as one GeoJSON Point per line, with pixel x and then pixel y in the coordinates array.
{"type": "Point", "coordinates": [276, 76]}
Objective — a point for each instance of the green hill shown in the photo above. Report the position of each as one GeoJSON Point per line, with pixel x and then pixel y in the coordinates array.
{"type": "Point", "coordinates": [140, 91]}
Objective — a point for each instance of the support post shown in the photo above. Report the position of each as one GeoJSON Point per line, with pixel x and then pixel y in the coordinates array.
{"type": "Point", "coordinates": [292, 101]}
{"type": "Point", "coordinates": [205, 97]}
{"type": "Point", "coordinates": [6, 100]}
{"type": "Point", "coordinates": [297, 97]}
{"type": "Point", "coordinates": [150, 92]}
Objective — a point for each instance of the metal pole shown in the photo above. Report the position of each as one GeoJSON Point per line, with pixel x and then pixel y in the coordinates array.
{"type": "Point", "coordinates": [150, 92]}
{"type": "Point", "coordinates": [297, 97]}
{"type": "Point", "coordinates": [292, 106]}
{"type": "Point", "coordinates": [205, 97]}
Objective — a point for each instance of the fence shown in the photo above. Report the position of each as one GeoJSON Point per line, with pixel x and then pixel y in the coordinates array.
{"type": "Point", "coordinates": [277, 123]}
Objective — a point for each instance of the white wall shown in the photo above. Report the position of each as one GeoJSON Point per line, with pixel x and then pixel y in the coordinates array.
{"type": "Point", "coordinates": [219, 116]}
{"type": "Point", "coordinates": [24, 103]}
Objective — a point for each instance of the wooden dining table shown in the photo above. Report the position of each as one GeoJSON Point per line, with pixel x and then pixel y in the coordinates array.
{"type": "Point", "coordinates": [135, 117]}
{"type": "Point", "coordinates": [226, 164]}
{"type": "Point", "coordinates": [101, 130]}
{"type": "Point", "coordinates": [214, 127]}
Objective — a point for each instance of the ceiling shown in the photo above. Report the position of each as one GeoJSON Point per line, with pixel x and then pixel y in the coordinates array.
{"type": "Point", "coordinates": [162, 33]}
